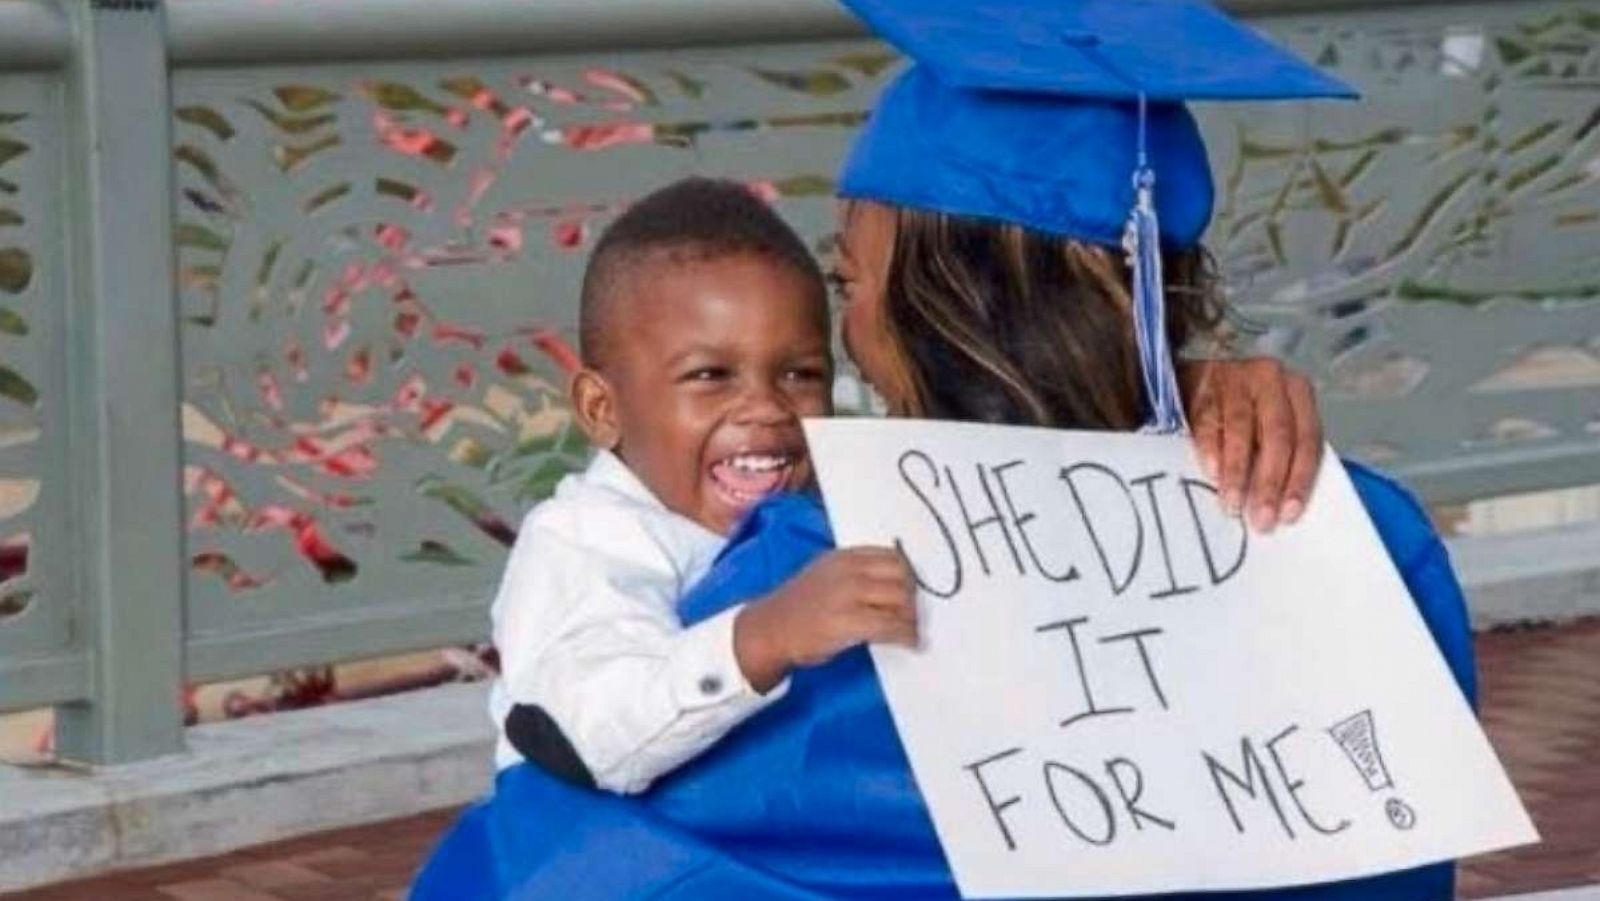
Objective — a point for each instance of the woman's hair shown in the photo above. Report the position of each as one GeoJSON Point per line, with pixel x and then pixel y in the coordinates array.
{"type": "Point", "coordinates": [993, 322]}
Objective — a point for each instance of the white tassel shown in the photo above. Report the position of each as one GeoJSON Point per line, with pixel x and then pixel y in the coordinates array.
{"type": "Point", "coordinates": [1142, 241]}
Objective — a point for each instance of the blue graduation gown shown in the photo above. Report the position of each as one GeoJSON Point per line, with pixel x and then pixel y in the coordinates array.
{"type": "Point", "coordinates": [813, 797]}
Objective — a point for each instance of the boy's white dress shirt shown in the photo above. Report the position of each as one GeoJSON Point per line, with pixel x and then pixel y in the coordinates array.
{"type": "Point", "coordinates": [587, 628]}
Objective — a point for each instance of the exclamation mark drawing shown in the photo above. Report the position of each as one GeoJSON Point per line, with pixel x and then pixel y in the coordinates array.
{"type": "Point", "coordinates": [1357, 737]}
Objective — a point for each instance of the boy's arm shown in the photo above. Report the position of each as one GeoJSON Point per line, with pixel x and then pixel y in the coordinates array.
{"type": "Point", "coordinates": [587, 632]}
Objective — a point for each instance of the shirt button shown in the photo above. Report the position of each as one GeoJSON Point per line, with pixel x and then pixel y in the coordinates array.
{"type": "Point", "coordinates": [710, 685]}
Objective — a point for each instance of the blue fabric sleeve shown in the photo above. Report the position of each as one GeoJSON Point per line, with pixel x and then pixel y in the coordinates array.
{"type": "Point", "coordinates": [1424, 564]}
{"type": "Point", "coordinates": [770, 546]}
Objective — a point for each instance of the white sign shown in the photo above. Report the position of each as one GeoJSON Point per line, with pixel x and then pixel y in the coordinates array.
{"type": "Point", "coordinates": [1121, 691]}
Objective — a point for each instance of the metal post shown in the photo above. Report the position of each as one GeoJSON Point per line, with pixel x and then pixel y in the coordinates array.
{"type": "Point", "coordinates": [124, 446]}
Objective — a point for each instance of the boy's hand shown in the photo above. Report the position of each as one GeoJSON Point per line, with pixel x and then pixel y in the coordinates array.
{"type": "Point", "coordinates": [842, 599]}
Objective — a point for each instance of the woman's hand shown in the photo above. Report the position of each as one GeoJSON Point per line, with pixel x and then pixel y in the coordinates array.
{"type": "Point", "coordinates": [1258, 433]}
{"type": "Point", "coordinates": [842, 599]}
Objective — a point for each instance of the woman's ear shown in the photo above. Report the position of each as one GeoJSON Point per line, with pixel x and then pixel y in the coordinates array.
{"type": "Point", "coordinates": [594, 404]}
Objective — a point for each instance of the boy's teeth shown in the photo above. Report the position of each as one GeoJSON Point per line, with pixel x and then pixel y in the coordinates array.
{"type": "Point", "coordinates": [747, 478]}
{"type": "Point", "coordinates": [756, 462]}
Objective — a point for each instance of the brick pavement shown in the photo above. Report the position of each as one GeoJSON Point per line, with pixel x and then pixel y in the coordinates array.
{"type": "Point", "coordinates": [1541, 705]}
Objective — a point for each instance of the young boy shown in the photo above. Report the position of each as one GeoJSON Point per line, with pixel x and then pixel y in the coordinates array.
{"type": "Point", "coordinates": [705, 338]}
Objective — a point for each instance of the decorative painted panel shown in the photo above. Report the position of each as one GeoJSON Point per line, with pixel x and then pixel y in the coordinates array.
{"type": "Point", "coordinates": [35, 610]}
{"type": "Point", "coordinates": [1430, 251]}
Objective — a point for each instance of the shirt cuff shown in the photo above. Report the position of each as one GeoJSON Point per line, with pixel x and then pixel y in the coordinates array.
{"type": "Point", "coordinates": [704, 671]}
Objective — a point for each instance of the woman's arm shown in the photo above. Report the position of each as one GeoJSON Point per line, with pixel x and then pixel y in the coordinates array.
{"type": "Point", "coordinates": [1258, 433]}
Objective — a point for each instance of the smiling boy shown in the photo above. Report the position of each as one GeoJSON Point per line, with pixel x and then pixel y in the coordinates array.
{"type": "Point", "coordinates": [705, 338]}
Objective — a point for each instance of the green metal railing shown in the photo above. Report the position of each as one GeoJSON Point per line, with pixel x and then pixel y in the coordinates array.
{"type": "Point", "coordinates": [285, 292]}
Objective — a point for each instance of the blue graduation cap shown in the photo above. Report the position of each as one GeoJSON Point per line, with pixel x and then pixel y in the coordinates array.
{"type": "Point", "coordinates": [1068, 117]}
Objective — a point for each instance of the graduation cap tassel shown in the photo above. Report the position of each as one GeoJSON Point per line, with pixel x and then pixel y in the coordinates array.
{"type": "Point", "coordinates": [1142, 241]}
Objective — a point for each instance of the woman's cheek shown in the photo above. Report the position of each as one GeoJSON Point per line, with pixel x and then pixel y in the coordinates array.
{"type": "Point", "coordinates": [862, 338]}
{"type": "Point", "coordinates": [850, 331]}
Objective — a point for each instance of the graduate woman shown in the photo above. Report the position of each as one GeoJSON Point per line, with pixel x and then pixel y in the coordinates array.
{"type": "Point", "coordinates": [1022, 220]}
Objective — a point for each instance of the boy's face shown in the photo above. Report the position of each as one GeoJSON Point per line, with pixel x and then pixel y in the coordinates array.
{"type": "Point", "coordinates": [708, 367]}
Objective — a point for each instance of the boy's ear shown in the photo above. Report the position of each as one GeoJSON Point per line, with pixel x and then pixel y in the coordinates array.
{"type": "Point", "coordinates": [594, 404]}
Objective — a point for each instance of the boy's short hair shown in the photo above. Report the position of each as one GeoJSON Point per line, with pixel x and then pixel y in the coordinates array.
{"type": "Point", "coordinates": [691, 220]}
